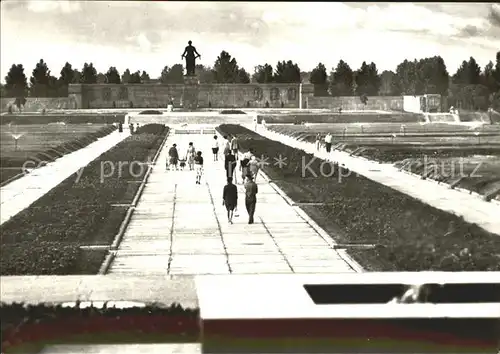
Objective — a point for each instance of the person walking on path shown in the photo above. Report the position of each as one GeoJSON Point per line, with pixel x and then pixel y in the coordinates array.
{"type": "Point", "coordinates": [230, 165]}
{"type": "Point", "coordinates": [318, 141]}
{"type": "Point", "coordinates": [253, 167]}
{"type": "Point", "coordinates": [245, 160]}
{"type": "Point", "coordinates": [251, 191]}
{"type": "Point", "coordinates": [234, 145]}
{"type": "Point", "coordinates": [328, 142]}
{"type": "Point", "coordinates": [190, 155]}
{"type": "Point", "coordinates": [215, 148]}
{"type": "Point", "coordinates": [227, 145]}
{"type": "Point", "coordinates": [230, 198]}
{"type": "Point", "coordinates": [198, 165]}
{"type": "Point", "coordinates": [173, 157]}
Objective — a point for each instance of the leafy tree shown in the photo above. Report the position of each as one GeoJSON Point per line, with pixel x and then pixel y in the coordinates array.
{"type": "Point", "coordinates": [89, 74]}
{"type": "Point", "coordinates": [431, 76]}
{"type": "Point", "coordinates": [101, 78]}
{"type": "Point", "coordinates": [77, 76]}
{"type": "Point", "coordinates": [126, 76]}
{"type": "Point", "coordinates": [67, 74]}
{"type": "Point", "coordinates": [319, 78]}
{"type": "Point", "coordinates": [471, 97]}
{"type": "Point", "coordinates": [16, 84]}
{"type": "Point", "coordinates": [42, 84]}
{"type": "Point", "coordinates": [406, 78]}
{"type": "Point", "coordinates": [225, 69]}
{"type": "Point", "coordinates": [173, 75]}
{"type": "Point", "coordinates": [387, 83]}
{"type": "Point", "coordinates": [496, 73]}
{"type": "Point", "coordinates": [113, 76]}
{"type": "Point", "coordinates": [342, 80]}
{"type": "Point", "coordinates": [135, 78]}
{"type": "Point", "coordinates": [145, 77]}
{"type": "Point", "coordinates": [205, 74]}
{"type": "Point", "coordinates": [305, 76]}
{"type": "Point", "coordinates": [263, 74]}
{"type": "Point", "coordinates": [287, 72]}
{"type": "Point", "coordinates": [367, 80]}
{"type": "Point", "coordinates": [469, 73]}
{"type": "Point", "coordinates": [243, 77]}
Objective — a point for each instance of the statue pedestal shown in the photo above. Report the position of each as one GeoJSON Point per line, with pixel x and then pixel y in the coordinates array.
{"type": "Point", "coordinates": [190, 92]}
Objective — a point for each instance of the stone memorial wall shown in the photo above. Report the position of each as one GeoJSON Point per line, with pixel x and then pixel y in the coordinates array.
{"type": "Point", "coordinates": [209, 95]}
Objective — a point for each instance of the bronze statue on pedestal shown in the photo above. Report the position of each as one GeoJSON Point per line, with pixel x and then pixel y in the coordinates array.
{"type": "Point", "coordinates": [190, 54]}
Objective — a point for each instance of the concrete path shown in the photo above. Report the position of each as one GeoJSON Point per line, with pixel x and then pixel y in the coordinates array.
{"type": "Point", "coordinates": [21, 193]}
{"type": "Point", "coordinates": [179, 227]}
{"type": "Point", "coordinates": [471, 207]}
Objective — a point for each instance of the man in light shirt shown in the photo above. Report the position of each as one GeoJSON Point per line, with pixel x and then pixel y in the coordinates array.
{"type": "Point", "coordinates": [328, 142]}
{"type": "Point", "coordinates": [215, 148]}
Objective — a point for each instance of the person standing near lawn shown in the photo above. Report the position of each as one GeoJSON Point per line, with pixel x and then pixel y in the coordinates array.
{"type": "Point", "coordinates": [318, 141]}
{"type": "Point", "coordinates": [251, 191]}
{"type": "Point", "coordinates": [190, 155]}
{"type": "Point", "coordinates": [198, 165]}
{"type": "Point", "coordinates": [245, 160]}
{"type": "Point", "coordinates": [230, 165]}
{"type": "Point", "coordinates": [173, 157]}
{"type": "Point", "coordinates": [230, 198]}
{"type": "Point", "coordinates": [328, 142]}
{"type": "Point", "coordinates": [253, 167]}
{"type": "Point", "coordinates": [215, 148]}
{"type": "Point", "coordinates": [234, 145]}
{"type": "Point", "coordinates": [227, 145]}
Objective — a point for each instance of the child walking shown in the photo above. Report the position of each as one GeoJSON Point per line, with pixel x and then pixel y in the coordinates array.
{"type": "Point", "coordinates": [198, 165]}
{"type": "Point", "coordinates": [215, 148]}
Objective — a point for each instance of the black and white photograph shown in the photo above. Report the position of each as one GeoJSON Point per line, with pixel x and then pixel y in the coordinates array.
{"type": "Point", "coordinates": [195, 177]}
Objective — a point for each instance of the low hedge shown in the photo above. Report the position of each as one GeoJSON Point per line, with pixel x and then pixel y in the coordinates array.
{"type": "Point", "coordinates": [411, 235]}
{"type": "Point", "coordinates": [29, 328]}
{"type": "Point", "coordinates": [79, 211]}
{"type": "Point", "coordinates": [108, 118]}
{"type": "Point", "coordinates": [286, 118]}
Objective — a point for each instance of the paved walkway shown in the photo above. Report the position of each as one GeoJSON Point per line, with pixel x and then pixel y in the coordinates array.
{"type": "Point", "coordinates": [21, 193]}
{"type": "Point", "coordinates": [179, 227]}
{"type": "Point", "coordinates": [472, 208]}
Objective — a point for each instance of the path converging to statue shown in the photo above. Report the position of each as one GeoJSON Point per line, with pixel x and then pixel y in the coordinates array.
{"type": "Point", "coordinates": [181, 228]}
{"type": "Point", "coordinates": [21, 193]}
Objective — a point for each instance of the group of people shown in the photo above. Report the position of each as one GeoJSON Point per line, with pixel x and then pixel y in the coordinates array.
{"type": "Point", "coordinates": [249, 168]}
{"type": "Point", "coordinates": [328, 142]}
{"type": "Point", "coordinates": [193, 159]}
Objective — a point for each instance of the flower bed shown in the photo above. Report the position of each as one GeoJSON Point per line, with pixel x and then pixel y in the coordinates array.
{"type": "Point", "coordinates": [41, 150]}
{"type": "Point", "coordinates": [411, 235]}
{"type": "Point", "coordinates": [30, 328]}
{"type": "Point", "coordinates": [79, 211]}
{"type": "Point", "coordinates": [107, 118]}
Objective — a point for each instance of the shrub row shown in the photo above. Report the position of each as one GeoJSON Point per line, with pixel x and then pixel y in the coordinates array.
{"type": "Point", "coordinates": [286, 118]}
{"type": "Point", "coordinates": [79, 211]}
{"type": "Point", "coordinates": [29, 328]}
{"type": "Point", "coordinates": [107, 118]}
{"type": "Point", "coordinates": [410, 235]}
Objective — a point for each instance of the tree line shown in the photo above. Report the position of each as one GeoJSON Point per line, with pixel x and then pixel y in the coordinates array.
{"type": "Point", "coordinates": [470, 87]}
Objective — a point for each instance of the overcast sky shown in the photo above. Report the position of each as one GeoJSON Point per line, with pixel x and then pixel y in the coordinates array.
{"type": "Point", "coordinates": [149, 35]}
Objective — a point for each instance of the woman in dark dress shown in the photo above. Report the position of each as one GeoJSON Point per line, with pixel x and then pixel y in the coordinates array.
{"type": "Point", "coordinates": [173, 157]}
{"type": "Point", "coordinates": [230, 198]}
